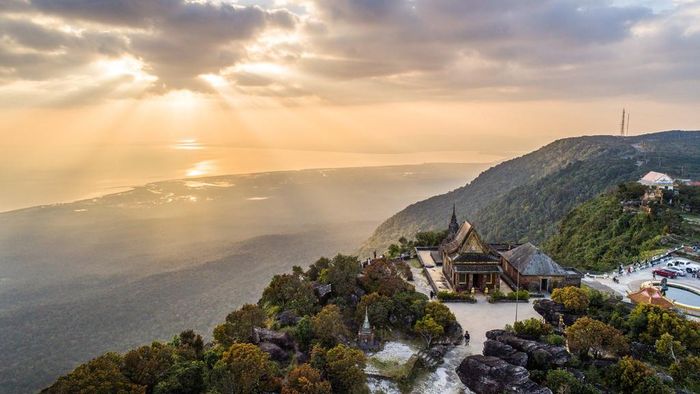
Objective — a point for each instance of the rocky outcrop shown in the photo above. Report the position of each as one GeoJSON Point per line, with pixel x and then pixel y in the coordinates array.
{"type": "Point", "coordinates": [454, 333]}
{"type": "Point", "coordinates": [287, 318]}
{"type": "Point", "coordinates": [491, 375]}
{"type": "Point", "coordinates": [281, 339]}
{"type": "Point", "coordinates": [276, 353]}
{"type": "Point", "coordinates": [505, 352]}
{"type": "Point", "coordinates": [551, 311]}
{"type": "Point", "coordinates": [539, 355]}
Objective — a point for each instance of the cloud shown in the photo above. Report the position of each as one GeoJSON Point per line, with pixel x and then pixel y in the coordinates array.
{"type": "Point", "coordinates": [369, 50]}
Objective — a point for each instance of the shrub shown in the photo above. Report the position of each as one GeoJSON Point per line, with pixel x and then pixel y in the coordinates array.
{"type": "Point", "coordinates": [532, 328]}
{"type": "Point", "coordinates": [496, 295]}
{"type": "Point", "coordinates": [519, 295]}
{"type": "Point", "coordinates": [554, 339]}
{"type": "Point", "coordinates": [454, 296]}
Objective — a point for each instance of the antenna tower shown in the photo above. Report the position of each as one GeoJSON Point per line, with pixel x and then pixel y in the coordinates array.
{"type": "Point", "coordinates": [622, 125]}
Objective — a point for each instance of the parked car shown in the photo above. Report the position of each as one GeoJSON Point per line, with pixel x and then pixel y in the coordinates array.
{"type": "Point", "coordinates": [688, 266]}
{"type": "Point", "coordinates": [665, 273]}
{"type": "Point", "coordinates": [677, 270]}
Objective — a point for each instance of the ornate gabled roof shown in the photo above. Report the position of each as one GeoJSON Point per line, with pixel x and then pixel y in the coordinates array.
{"type": "Point", "coordinates": [656, 178]}
{"type": "Point", "coordinates": [529, 260]}
{"type": "Point", "coordinates": [467, 247]}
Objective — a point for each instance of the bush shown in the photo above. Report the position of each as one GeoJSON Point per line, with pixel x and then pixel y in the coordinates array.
{"type": "Point", "coordinates": [573, 298]}
{"type": "Point", "coordinates": [561, 381]}
{"type": "Point", "coordinates": [554, 339]}
{"type": "Point", "coordinates": [520, 295]}
{"type": "Point", "coordinates": [532, 328]}
{"type": "Point", "coordinates": [455, 296]}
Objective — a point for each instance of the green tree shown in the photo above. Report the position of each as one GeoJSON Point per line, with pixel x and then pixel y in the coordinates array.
{"type": "Point", "coordinates": [345, 369]}
{"type": "Point", "coordinates": [240, 325]}
{"type": "Point", "coordinates": [668, 348]}
{"type": "Point", "coordinates": [647, 323]}
{"type": "Point", "coordinates": [409, 306]}
{"type": "Point", "coordinates": [429, 329]}
{"type": "Point", "coordinates": [328, 325]}
{"type": "Point", "coordinates": [592, 337]}
{"type": "Point", "coordinates": [305, 379]}
{"type": "Point", "coordinates": [563, 382]}
{"type": "Point", "coordinates": [289, 292]}
{"type": "Point", "coordinates": [573, 298]}
{"type": "Point", "coordinates": [99, 375]}
{"type": "Point", "coordinates": [146, 365]}
{"type": "Point", "coordinates": [316, 268]}
{"type": "Point", "coordinates": [378, 307]}
{"type": "Point", "coordinates": [686, 372]}
{"type": "Point", "coordinates": [244, 369]}
{"type": "Point", "coordinates": [440, 313]}
{"type": "Point", "coordinates": [184, 378]}
{"type": "Point", "coordinates": [342, 274]}
{"type": "Point", "coordinates": [304, 332]}
{"type": "Point", "coordinates": [634, 377]}
{"type": "Point", "coordinates": [189, 345]}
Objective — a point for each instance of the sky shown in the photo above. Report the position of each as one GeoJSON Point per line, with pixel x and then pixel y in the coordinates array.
{"type": "Point", "coordinates": [101, 94]}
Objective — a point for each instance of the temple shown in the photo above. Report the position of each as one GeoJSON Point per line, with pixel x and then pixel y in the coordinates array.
{"type": "Point", "coordinates": [365, 335]}
{"type": "Point", "coordinates": [468, 263]}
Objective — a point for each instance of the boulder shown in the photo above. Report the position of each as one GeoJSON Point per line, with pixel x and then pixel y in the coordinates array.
{"type": "Point", "coordinates": [491, 375]}
{"type": "Point", "coordinates": [281, 339]}
{"type": "Point", "coordinates": [276, 353]}
{"type": "Point", "coordinates": [539, 355]}
{"type": "Point", "coordinates": [287, 318]}
{"type": "Point", "coordinates": [454, 333]}
{"type": "Point", "coordinates": [438, 351]}
{"type": "Point", "coordinates": [505, 352]}
{"type": "Point", "coordinates": [551, 311]}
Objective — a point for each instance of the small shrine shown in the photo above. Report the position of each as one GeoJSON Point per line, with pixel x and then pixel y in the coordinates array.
{"type": "Point", "coordinates": [365, 335]}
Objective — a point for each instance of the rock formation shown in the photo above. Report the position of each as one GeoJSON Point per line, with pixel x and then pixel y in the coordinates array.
{"type": "Point", "coordinates": [491, 375]}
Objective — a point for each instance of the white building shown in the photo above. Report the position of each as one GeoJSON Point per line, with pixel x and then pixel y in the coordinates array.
{"type": "Point", "coordinates": [658, 180]}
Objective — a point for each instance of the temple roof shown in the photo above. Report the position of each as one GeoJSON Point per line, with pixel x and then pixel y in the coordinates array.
{"type": "Point", "coordinates": [529, 260]}
{"type": "Point", "coordinates": [478, 268]}
{"type": "Point", "coordinates": [650, 295]}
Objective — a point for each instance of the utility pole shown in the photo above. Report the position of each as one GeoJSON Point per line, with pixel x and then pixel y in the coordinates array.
{"type": "Point", "coordinates": [517, 293]}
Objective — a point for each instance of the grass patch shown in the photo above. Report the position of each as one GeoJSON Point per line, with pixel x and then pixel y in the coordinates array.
{"type": "Point", "coordinates": [415, 263]}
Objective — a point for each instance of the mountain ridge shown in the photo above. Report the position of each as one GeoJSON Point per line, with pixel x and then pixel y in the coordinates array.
{"type": "Point", "coordinates": [509, 184]}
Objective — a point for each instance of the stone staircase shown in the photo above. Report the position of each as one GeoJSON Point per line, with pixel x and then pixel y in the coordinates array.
{"type": "Point", "coordinates": [429, 361]}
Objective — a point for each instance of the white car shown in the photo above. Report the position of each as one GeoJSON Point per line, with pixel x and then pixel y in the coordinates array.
{"type": "Point", "coordinates": [679, 271]}
{"type": "Point", "coordinates": [688, 266]}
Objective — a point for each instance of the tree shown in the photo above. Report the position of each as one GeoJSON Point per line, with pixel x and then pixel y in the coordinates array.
{"type": "Point", "coordinates": [316, 268]}
{"type": "Point", "coordinates": [328, 325]}
{"type": "Point", "coordinates": [634, 377]}
{"type": "Point", "coordinates": [342, 274]}
{"type": "Point", "coordinates": [184, 378]}
{"type": "Point", "coordinates": [686, 372]}
{"type": "Point", "coordinates": [345, 368]}
{"type": "Point", "coordinates": [648, 323]}
{"type": "Point", "coordinates": [306, 379]}
{"type": "Point", "coordinates": [384, 277]}
{"type": "Point", "coordinates": [289, 292]}
{"type": "Point", "coordinates": [100, 375]}
{"type": "Point", "coordinates": [146, 365]}
{"type": "Point", "coordinates": [189, 345]}
{"type": "Point", "coordinates": [668, 347]}
{"type": "Point", "coordinates": [430, 238]}
{"type": "Point", "coordinates": [409, 306]}
{"type": "Point", "coordinates": [240, 325]}
{"type": "Point", "coordinates": [573, 298]}
{"type": "Point", "coordinates": [378, 308]}
{"type": "Point", "coordinates": [440, 313]}
{"type": "Point", "coordinates": [244, 368]}
{"type": "Point", "coordinates": [429, 329]}
{"type": "Point", "coordinates": [563, 382]}
{"type": "Point", "coordinates": [304, 332]}
{"type": "Point", "coordinates": [588, 336]}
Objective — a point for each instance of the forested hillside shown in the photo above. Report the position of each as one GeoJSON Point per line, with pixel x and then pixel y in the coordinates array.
{"type": "Point", "coordinates": [599, 234]}
{"type": "Point", "coordinates": [523, 199]}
